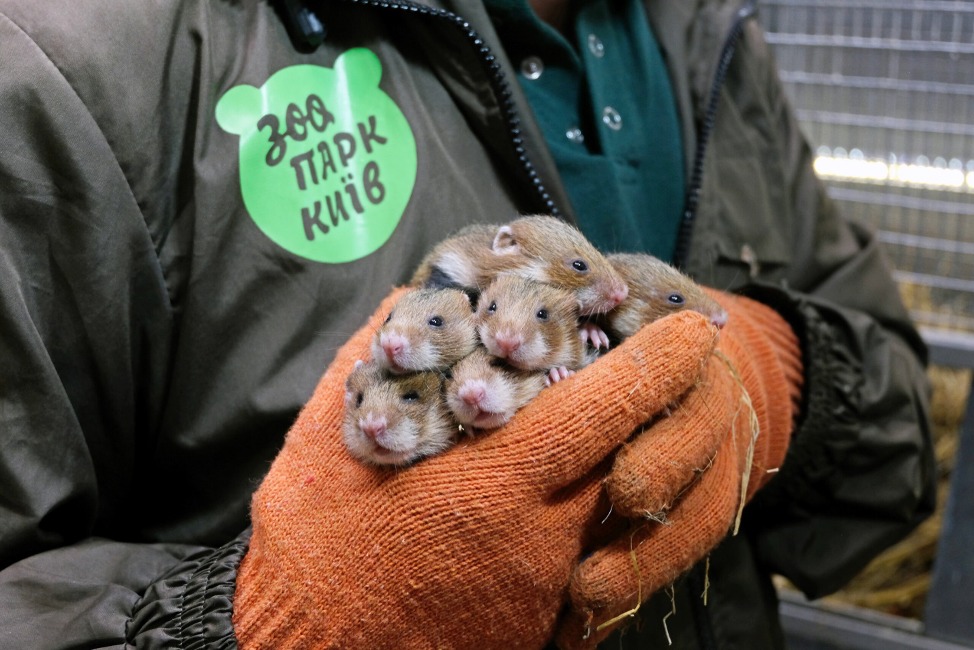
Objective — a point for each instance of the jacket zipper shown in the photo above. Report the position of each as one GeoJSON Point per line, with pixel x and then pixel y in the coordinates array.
{"type": "Point", "coordinates": [685, 233]}
{"type": "Point", "coordinates": [313, 36]}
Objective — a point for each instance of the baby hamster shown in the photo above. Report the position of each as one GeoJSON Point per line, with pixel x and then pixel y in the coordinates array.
{"type": "Point", "coordinates": [656, 289]}
{"type": "Point", "coordinates": [532, 326]}
{"type": "Point", "coordinates": [428, 329]}
{"type": "Point", "coordinates": [459, 261]}
{"type": "Point", "coordinates": [395, 419]}
{"type": "Point", "coordinates": [484, 393]}
{"type": "Point", "coordinates": [537, 247]}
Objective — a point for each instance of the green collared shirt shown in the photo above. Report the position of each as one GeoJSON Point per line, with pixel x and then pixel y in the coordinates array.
{"type": "Point", "coordinates": [603, 99]}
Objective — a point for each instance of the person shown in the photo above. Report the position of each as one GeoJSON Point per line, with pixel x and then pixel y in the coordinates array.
{"type": "Point", "coordinates": [201, 202]}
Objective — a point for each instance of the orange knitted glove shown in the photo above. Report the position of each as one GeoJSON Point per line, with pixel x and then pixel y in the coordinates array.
{"type": "Point", "coordinates": [685, 479]}
{"type": "Point", "coordinates": [473, 548]}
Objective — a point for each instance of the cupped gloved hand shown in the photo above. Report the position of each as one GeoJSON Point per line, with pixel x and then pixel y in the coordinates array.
{"type": "Point", "coordinates": [684, 480]}
{"type": "Point", "coordinates": [473, 548]}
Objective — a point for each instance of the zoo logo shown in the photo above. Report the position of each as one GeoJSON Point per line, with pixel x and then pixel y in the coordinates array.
{"type": "Point", "coordinates": [327, 159]}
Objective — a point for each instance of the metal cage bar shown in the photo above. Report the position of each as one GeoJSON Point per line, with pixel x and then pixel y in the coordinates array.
{"type": "Point", "coordinates": [884, 89]}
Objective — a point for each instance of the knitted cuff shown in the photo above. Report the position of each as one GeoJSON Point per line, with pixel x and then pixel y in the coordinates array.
{"type": "Point", "coordinates": [833, 379]}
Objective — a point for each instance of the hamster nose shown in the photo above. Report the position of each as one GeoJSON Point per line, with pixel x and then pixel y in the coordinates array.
{"type": "Point", "coordinates": [373, 426]}
{"type": "Point", "coordinates": [393, 344]}
{"type": "Point", "coordinates": [619, 293]}
{"type": "Point", "coordinates": [507, 342]}
{"type": "Point", "coordinates": [719, 319]}
{"type": "Point", "coordinates": [472, 394]}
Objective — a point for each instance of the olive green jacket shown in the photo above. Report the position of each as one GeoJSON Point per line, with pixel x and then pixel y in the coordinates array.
{"type": "Point", "coordinates": [191, 223]}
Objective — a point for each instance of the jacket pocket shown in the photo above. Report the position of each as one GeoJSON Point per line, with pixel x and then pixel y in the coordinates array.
{"type": "Point", "coordinates": [745, 213]}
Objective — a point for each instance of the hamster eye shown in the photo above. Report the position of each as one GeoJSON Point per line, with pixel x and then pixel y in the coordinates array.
{"type": "Point", "coordinates": [388, 318]}
{"type": "Point", "coordinates": [436, 321]}
{"type": "Point", "coordinates": [675, 299]}
{"type": "Point", "coordinates": [542, 314]}
{"type": "Point", "coordinates": [411, 396]}
{"type": "Point", "coordinates": [492, 308]}
{"type": "Point", "coordinates": [358, 399]}
{"type": "Point", "coordinates": [580, 266]}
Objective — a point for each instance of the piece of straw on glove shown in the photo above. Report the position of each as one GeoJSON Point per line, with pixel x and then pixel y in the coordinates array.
{"type": "Point", "coordinates": [685, 479]}
{"type": "Point", "coordinates": [473, 548]}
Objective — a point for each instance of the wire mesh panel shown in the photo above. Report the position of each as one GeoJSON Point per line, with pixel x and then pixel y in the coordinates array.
{"type": "Point", "coordinates": [885, 91]}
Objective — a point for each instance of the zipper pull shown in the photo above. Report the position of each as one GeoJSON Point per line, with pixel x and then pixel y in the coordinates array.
{"type": "Point", "coordinates": [749, 258]}
{"type": "Point", "coordinates": [306, 29]}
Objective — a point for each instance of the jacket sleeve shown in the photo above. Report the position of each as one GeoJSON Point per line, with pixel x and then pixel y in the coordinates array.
{"type": "Point", "coordinates": [84, 313]}
{"type": "Point", "coordinates": [860, 471]}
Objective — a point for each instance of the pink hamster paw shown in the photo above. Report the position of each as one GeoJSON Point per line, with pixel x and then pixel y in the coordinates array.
{"type": "Point", "coordinates": [592, 333]}
{"type": "Point", "coordinates": [556, 374]}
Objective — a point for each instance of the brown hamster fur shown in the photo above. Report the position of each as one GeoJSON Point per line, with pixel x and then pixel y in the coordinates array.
{"type": "Point", "coordinates": [428, 329]}
{"type": "Point", "coordinates": [532, 326]}
{"type": "Point", "coordinates": [484, 393]}
{"type": "Point", "coordinates": [458, 261]}
{"type": "Point", "coordinates": [656, 289]}
{"type": "Point", "coordinates": [537, 247]}
{"type": "Point", "coordinates": [395, 419]}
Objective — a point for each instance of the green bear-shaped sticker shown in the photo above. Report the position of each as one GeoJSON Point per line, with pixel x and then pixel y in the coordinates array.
{"type": "Point", "coordinates": [327, 159]}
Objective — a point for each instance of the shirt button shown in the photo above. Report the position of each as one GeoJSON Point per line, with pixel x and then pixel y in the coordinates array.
{"type": "Point", "coordinates": [574, 134]}
{"type": "Point", "coordinates": [611, 118]}
{"type": "Point", "coordinates": [532, 67]}
{"type": "Point", "coordinates": [596, 46]}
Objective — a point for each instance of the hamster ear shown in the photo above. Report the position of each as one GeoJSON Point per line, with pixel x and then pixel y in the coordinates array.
{"type": "Point", "coordinates": [504, 242]}
{"type": "Point", "coordinates": [358, 364]}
